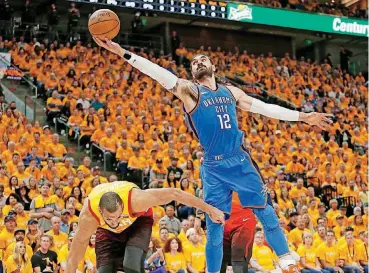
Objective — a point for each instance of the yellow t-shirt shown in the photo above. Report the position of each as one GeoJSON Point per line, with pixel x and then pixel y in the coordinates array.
{"type": "Point", "coordinates": [349, 253]}
{"type": "Point", "coordinates": [90, 255]}
{"type": "Point", "coordinates": [6, 238]}
{"type": "Point", "coordinates": [11, 266]}
{"type": "Point", "coordinates": [195, 255]}
{"type": "Point", "coordinates": [328, 254]}
{"type": "Point", "coordinates": [10, 249]}
{"type": "Point", "coordinates": [309, 254]}
{"type": "Point", "coordinates": [295, 236]}
{"type": "Point", "coordinates": [123, 189]}
{"type": "Point", "coordinates": [62, 257]}
{"type": "Point", "coordinates": [363, 253]}
{"type": "Point", "coordinates": [175, 262]}
{"type": "Point", "coordinates": [264, 256]}
{"type": "Point", "coordinates": [59, 240]}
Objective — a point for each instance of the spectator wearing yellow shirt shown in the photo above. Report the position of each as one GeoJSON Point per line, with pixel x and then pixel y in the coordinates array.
{"type": "Point", "coordinates": [295, 235]}
{"type": "Point", "coordinates": [359, 225]}
{"type": "Point", "coordinates": [284, 201]}
{"type": "Point", "coordinates": [19, 236]}
{"type": "Point", "coordinates": [348, 257]}
{"type": "Point", "coordinates": [56, 149]}
{"type": "Point", "coordinates": [299, 189]}
{"type": "Point", "coordinates": [357, 211]}
{"type": "Point", "coordinates": [340, 227]}
{"type": "Point", "coordinates": [20, 260]}
{"type": "Point", "coordinates": [333, 212]}
{"type": "Point", "coordinates": [7, 234]}
{"type": "Point", "coordinates": [63, 255]}
{"type": "Point", "coordinates": [53, 104]}
{"type": "Point", "coordinates": [294, 167]}
{"type": "Point", "coordinates": [308, 255]}
{"type": "Point", "coordinates": [59, 238]}
{"type": "Point", "coordinates": [22, 217]}
{"type": "Point", "coordinates": [174, 257]}
{"type": "Point", "coordinates": [263, 259]}
{"type": "Point", "coordinates": [328, 254]}
{"type": "Point", "coordinates": [319, 237]}
{"type": "Point", "coordinates": [194, 252]}
{"type": "Point", "coordinates": [90, 255]}
{"type": "Point", "coordinates": [350, 191]}
{"type": "Point", "coordinates": [363, 252]}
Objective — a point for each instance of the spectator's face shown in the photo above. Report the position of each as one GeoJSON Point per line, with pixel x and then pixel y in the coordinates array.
{"type": "Point", "coordinates": [19, 208]}
{"type": "Point", "coordinates": [65, 218]}
{"type": "Point", "coordinates": [185, 225]}
{"type": "Point", "coordinates": [169, 211]}
{"type": "Point", "coordinates": [300, 223]}
{"type": "Point", "coordinates": [259, 238]}
{"type": "Point", "coordinates": [164, 234]}
{"type": "Point", "coordinates": [45, 243]}
{"type": "Point", "coordinates": [194, 238]}
{"type": "Point", "coordinates": [19, 236]}
{"type": "Point", "coordinates": [55, 223]}
{"type": "Point", "coordinates": [299, 183]}
{"type": "Point", "coordinates": [229, 269]}
{"type": "Point", "coordinates": [321, 231]}
{"type": "Point", "coordinates": [174, 245]}
{"type": "Point", "coordinates": [10, 225]}
{"type": "Point", "coordinates": [45, 190]}
{"type": "Point", "coordinates": [163, 224]}
{"type": "Point", "coordinates": [191, 220]}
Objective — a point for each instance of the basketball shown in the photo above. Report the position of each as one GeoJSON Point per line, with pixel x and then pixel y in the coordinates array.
{"type": "Point", "coordinates": [104, 23]}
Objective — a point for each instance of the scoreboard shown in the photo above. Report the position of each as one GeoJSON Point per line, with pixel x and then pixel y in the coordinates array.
{"type": "Point", "coordinates": [169, 6]}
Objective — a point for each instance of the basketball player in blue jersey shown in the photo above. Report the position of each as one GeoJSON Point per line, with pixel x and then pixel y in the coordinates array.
{"type": "Point", "coordinates": [227, 166]}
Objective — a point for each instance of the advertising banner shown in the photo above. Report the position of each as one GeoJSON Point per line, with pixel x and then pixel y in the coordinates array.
{"type": "Point", "coordinates": [299, 20]}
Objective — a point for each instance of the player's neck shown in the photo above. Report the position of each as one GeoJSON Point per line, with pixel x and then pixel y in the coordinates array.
{"type": "Point", "coordinates": [208, 82]}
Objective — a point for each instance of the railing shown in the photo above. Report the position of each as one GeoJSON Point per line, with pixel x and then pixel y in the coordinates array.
{"type": "Point", "coordinates": [27, 101]}
{"type": "Point", "coordinates": [104, 155]}
{"type": "Point", "coordinates": [75, 130]}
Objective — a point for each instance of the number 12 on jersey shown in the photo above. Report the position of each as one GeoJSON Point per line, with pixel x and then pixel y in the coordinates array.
{"type": "Point", "coordinates": [224, 121]}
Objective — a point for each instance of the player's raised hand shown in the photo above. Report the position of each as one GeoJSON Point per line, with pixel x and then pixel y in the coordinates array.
{"type": "Point", "coordinates": [216, 215]}
{"type": "Point", "coordinates": [321, 120]}
{"type": "Point", "coordinates": [111, 46]}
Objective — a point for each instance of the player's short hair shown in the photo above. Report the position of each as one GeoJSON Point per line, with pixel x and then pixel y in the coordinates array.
{"type": "Point", "coordinates": [110, 201]}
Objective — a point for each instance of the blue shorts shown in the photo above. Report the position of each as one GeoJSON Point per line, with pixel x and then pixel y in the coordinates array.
{"type": "Point", "coordinates": [235, 172]}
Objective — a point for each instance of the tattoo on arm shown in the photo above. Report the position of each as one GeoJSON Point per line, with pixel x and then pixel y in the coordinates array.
{"type": "Point", "coordinates": [175, 88]}
{"type": "Point", "coordinates": [186, 87]}
{"type": "Point", "coordinates": [192, 90]}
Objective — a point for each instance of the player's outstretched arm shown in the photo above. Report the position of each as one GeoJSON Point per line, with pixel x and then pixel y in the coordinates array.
{"type": "Point", "coordinates": [247, 103]}
{"type": "Point", "coordinates": [179, 87]}
{"type": "Point", "coordinates": [87, 225]}
{"type": "Point", "coordinates": [142, 200]}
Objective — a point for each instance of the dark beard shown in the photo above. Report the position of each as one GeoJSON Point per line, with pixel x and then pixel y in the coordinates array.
{"type": "Point", "coordinates": [203, 73]}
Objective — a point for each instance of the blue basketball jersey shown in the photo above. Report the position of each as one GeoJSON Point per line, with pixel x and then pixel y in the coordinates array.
{"type": "Point", "coordinates": [214, 121]}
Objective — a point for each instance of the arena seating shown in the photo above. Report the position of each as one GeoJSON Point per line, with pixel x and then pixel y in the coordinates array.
{"type": "Point", "coordinates": [137, 129]}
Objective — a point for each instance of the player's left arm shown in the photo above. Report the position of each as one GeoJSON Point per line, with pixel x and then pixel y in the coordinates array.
{"type": "Point", "coordinates": [250, 104]}
{"type": "Point", "coordinates": [142, 200]}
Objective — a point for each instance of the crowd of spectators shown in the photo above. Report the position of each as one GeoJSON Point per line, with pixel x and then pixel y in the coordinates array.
{"type": "Point", "coordinates": [317, 180]}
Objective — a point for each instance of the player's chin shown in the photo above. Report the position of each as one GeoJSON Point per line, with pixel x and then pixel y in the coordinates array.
{"type": "Point", "coordinates": [202, 73]}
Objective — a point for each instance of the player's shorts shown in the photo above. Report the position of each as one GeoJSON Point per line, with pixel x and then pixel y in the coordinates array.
{"type": "Point", "coordinates": [239, 237]}
{"type": "Point", "coordinates": [236, 171]}
{"type": "Point", "coordinates": [110, 246]}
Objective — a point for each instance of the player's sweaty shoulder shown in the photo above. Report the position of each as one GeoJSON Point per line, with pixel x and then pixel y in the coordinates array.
{"type": "Point", "coordinates": [185, 89]}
